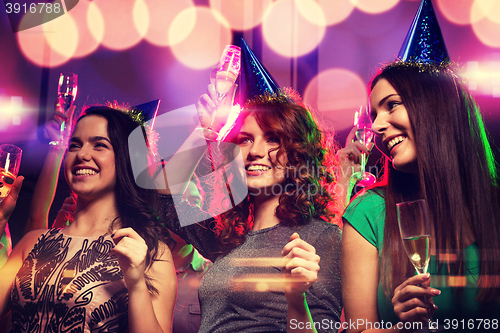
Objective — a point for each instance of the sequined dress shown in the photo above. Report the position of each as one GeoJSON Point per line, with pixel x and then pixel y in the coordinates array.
{"type": "Point", "coordinates": [70, 284]}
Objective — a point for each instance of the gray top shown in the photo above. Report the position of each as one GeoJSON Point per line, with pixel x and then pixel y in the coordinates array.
{"type": "Point", "coordinates": [242, 290]}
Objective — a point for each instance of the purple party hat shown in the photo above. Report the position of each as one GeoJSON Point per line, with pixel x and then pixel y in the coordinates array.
{"type": "Point", "coordinates": [424, 42]}
{"type": "Point", "coordinates": [255, 80]}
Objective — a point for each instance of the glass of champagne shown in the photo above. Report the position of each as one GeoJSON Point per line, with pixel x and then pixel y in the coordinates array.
{"type": "Point", "coordinates": [66, 90]}
{"type": "Point", "coordinates": [364, 134]}
{"type": "Point", "coordinates": [10, 160]}
{"type": "Point", "coordinates": [224, 76]}
{"type": "Point", "coordinates": [415, 230]}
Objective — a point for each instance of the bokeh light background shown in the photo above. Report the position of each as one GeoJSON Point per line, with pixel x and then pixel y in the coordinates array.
{"type": "Point", "coordinates": [137, 51]}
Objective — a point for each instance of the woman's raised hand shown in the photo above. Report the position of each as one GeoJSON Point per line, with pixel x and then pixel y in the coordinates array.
{"type": "Point", "coordinates": [301, 267]}
{"type": "Point", "coordinates": [213, 115]}
{"type": "Point", "coordinates": [131, 250]}
{"type": "Point", "coordinates": [9, 202]}
{"type": "Point", "coordinates": [413, 297]}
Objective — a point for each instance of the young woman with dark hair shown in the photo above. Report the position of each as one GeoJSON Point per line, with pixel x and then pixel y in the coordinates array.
{"type": "Point", "coordinates": [267, 250]}
{"type": "Point", "coordinates": [436, 148]}
{"type": "Point", "coordinates": [110, 268]}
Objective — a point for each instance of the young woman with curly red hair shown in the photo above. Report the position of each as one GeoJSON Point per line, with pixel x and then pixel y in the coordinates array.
{"type": "Point", "coordinates": [267, 250]}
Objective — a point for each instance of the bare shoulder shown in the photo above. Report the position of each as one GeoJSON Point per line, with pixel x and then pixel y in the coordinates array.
{"type": "Point", "coordinates": [28, 242]}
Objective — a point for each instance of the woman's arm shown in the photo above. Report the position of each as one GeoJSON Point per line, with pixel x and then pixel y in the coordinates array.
{"type": "Point", "coordinates": [300, 272]}
{"type": "Point", "coordinates": [44, 191]}
{"type": "Point", "coordinates": [45, 187]}
{"type": "Point", "coordinates": [177, 172]}
{"type": "Point", "coordinates": [147, 312]}
{"type": "Point", "coordinates": [360, 279]}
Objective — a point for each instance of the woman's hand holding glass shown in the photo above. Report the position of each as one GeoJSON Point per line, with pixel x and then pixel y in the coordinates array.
{"type": "Point", "coordinates": [213, 115]}
{"type": "Point", "coordinates": [413, 301]}
{"type": "Point", "coordinates": [9, 202]}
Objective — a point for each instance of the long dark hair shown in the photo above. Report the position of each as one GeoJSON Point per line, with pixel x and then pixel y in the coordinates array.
{"type": "Point", "coordinates": [457, 176]}
{"type": "Point", "coordinates": [138, 208]}
{"type": "Point", "coordinates": [309, 169]}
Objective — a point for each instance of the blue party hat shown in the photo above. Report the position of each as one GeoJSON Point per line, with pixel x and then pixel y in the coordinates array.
{"type": "Point", "coordinates": [255, 80]}
{"type": "Point", "coordinates": [149, 110]}
{"type": "Point", "coordinates": [424, 42]}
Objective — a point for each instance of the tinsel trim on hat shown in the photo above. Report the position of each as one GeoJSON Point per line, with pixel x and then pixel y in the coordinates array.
{"type": "Point", "coordinates": [283, 96]}
{"type": "Point", "coordinates": [432, 68]}
{"type": "Point", "coordinates": [137, 116]}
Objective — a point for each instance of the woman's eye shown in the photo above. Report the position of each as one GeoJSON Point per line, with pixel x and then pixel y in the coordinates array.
{"type": "Point", "coordinates": [73, 146]}
{"type": "Point", "coordinates": [273, 139]}
{"type": "Point", "coordinates": [243, 140]}
{"type": "Point", "coordinates": [101, 145]}
{"type": "Point", "coordinates": [393, 104]}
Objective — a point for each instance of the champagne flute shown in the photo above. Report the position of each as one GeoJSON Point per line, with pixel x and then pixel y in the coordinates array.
{"type": "Point", "coordinates": [223, 77]}
{"type": "Point", "coordinates": [415, 230]}
{"type": "Point", "coordinates": [10, 160]}
{"type": "Point", "coordinates": [66, 90]}
{"type": "Point", "coordinates": [364, 134]}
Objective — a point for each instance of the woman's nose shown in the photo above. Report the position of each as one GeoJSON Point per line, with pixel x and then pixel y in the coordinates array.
{"type": "Point", "coordinates": [84, 154]}
{"type": "Point", "coordinates": [258, 149]}
{"type": "Point", "coordinates": [379, 124]}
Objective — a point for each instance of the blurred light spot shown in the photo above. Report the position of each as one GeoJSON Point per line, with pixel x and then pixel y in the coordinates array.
{"type": "Point", "coordinates": [288, 32]}
{"type": "Point", "coordinates": [336, 93]}
{"type": "Point", "coordinates": [457, 281]}
{"type": "Point", "coordinates": [447, 257]}
{"type": "Point", "coordinates": [241, 14]}
{"type": "Point", "coordinates": [484, 77]}
{"type": "Point", "coordinates": [62, 35]}
{"type": "Point", "coordinates": [198, 37]}
{"type": "Point", "coordinates": [119, 30]}
{"type": "Point", "coordinates": [374, 6]}
{"type": "Point", "coordinates": [458, 12]}
{"type": "Point", "coordinates": [261, 287]}
{"type": "Point", "coordinates": [11, 110]}
{"type": "Point", "coordinates": [311, 11]}
{"type": "Point", "coordinates": [258, 262]}
{"type": "Point", "coordinates": [90, 26]}
{"type": "Point", "coordinates": [161, 16]}
{"type": "Point", "coordinates": [182, 26]}
{"type": "Point", "coordinates": [35, 48]}
{"type": "Point", "coordinates": [336, 11]}
{"type": "Point", "coordinates": [95, 22]}
{"type": "Point", "coordinates": [258, 282]}
{"type": "Point", "coordinates": [490, 9]}
{"type": "Point", "coordinates": [141, 17]}
{"type": "Point", "coordinates": [486, 30]}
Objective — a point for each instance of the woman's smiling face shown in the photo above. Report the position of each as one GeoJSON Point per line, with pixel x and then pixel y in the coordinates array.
{"type": "Point", "coordinates": [259, 150]}
{"type": "Point", "coordinates": [392, 126]}
{"type": "Point", "coordinates": [90, 162]}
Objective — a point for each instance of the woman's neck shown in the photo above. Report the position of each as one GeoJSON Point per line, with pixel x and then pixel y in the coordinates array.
{"type": "Point", "coordinates": [94, 218]}
{"type": "Point", "coordinates": [265, 212]}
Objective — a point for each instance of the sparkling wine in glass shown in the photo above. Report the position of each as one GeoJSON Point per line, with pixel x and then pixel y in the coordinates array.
{"type": "Point", "coordinates": [364, 134]}
{"type": "Point", "coordinates": [10, 160]}
{"type": "Point", "coordinates": [415, 230]}
{"type": "Point", "coordinates": [223, 77]}
{"type": "Point", "coordinates": [67, 89]}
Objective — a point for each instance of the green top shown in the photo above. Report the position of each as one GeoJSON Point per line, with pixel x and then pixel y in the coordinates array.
{"type": "Point", "coordinates": [366, 213]}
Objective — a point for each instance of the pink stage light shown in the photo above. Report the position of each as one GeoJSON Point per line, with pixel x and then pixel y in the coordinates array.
{"type": "Point", "coordinates": [241, 14]}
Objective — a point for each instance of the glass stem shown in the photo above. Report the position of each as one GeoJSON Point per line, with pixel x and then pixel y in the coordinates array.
{"type": "Point", "coordinates": [363, 162]}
